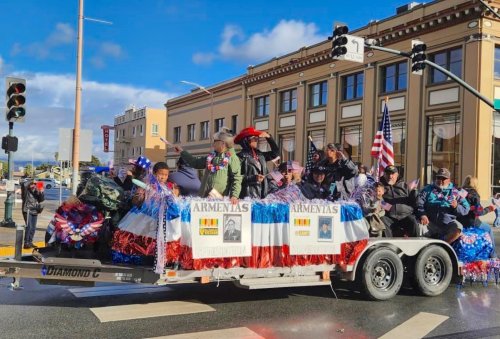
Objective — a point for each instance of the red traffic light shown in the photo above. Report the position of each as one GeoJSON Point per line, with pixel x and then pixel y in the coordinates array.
{"type": "Point", "coordinates": [15, 99]}
{"type": "Point", "coordinates": [16, 88]}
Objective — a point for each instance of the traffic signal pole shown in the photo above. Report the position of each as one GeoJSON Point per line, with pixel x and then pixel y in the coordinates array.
{"type": "Point", "coordinates": [439, 68]}
{"type": "Point", "coordinates": [9, 202]}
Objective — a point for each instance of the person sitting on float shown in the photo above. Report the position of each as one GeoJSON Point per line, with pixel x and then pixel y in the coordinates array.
{"type": "Point", "coordinates": [254, 162]}
{"type": "Point", "coordinates": [476, 210]}
{"type": "Point", "coordinates": [314, 188]}
{"type": "Point", "coordinates": [222, 177]}
{"type": "Point", "coordinates": [289, 174]}
{"type": "Point", "coordinates": [160, 171]}
{"type": "Point", "coordinates": [341, 172]}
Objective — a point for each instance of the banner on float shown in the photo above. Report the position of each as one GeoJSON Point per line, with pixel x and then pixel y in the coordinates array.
{"type": "Point", "coordinates": [220, 229]}
{"type": "Point", "coordinates": [315, 229]}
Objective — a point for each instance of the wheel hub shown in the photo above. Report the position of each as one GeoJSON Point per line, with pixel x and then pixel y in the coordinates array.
{"type": "Point", "coordinates": [433, 271]}
{"type": "Point", "coordinates": [383, 275]}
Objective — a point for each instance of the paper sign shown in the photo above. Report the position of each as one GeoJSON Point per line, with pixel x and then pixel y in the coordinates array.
{"type": "Point", "coordinates": [220, 229]}
{"type": "Point", "coordinates": [315, 229]}
{"type": "Point", "coordinates": [463, 193]}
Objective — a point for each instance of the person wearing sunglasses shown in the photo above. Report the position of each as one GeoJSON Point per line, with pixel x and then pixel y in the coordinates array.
{"type": "Point", "coordinates": [254, 162]}
{"type": "Point", "coordinates": [341, 172]}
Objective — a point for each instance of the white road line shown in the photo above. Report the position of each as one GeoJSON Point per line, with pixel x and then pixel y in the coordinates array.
{"type": "Point", "coordinates": [115, 290]}
{"type": "Point", "coordinates": [229, 333]}
{"type": "Point", "coordinates": [141, 311]}
{"type": "Point", "coordinates": [416, 327]}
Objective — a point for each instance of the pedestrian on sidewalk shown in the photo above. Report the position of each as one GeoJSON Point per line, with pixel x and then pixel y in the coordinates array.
{"type": "Point", "coordinates": [32, 196]}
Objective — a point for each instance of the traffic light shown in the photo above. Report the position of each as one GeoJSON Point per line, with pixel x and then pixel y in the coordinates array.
{"type": "Point", "coordinates": [339, 41]}
{"type": "Point", "coordinates": [418, 56]}
{"type": "Point", "coordinates": [15, 98]}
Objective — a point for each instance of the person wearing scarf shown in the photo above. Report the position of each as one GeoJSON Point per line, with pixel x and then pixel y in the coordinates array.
{"type": "Point", "coordinates": [222, 177]}
{"type": "Point", "coordinates": [254, 162]}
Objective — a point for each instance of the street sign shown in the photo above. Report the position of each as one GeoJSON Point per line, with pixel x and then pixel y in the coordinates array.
{"type": "Point", "coordinates": [66, 144]}
{"type": "Point", "coordinates": [355, 49]}
{"type": "Point", "coordinates": [496, 104]}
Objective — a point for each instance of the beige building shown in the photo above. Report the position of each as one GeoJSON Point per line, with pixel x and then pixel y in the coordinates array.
{"type": "Point", "coordinates": [436, 123]}
{"type": "Point", "coordinates": [138, 132]}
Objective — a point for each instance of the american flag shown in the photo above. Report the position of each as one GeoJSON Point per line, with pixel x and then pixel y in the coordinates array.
{"type": "Point", "coordinates": [312, 150]}
{"type": "Point", "coordinates": [382, 145]}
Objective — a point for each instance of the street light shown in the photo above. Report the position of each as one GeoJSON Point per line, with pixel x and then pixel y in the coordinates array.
{"type": "Point", "coordinates": [200, 87]}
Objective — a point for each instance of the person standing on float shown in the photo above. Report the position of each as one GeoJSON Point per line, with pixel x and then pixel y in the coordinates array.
{"type": "Point", "coordinates": [222, 177]}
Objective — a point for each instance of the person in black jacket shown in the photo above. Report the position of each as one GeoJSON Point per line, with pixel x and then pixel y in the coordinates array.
{"type": "Point", "coordinates": [186, 179]}
{"type": "Point", "coordinates": [31, 196]}
{"type": "Point", "coordinates": [314, 188]}
{"type": "Point", "coordinates": [254, 162]}
{"type": "Point", "coordinates": [399, 218]}
{"type": "Point", "coordinates": [340, 172]}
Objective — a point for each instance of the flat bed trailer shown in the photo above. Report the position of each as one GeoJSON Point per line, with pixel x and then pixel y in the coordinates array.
{"type": "Point", "coordinates": [430, 264]}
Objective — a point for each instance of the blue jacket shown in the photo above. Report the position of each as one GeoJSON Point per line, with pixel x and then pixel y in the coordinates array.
{"type": "Point", "coordinates": [435, 203]}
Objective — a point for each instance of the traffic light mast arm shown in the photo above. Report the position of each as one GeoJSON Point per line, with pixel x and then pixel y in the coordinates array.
{"type": "Point", "coordinates": [439, 68]}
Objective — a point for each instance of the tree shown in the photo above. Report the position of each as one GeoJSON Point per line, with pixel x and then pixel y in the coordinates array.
{"type": "Point", "coordinates": [28, 170]}
{"type": "Point", "coordinates": [94, 162]}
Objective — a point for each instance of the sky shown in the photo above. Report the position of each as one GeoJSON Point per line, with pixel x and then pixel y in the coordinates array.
{"type": "Point", "coordinates": [142, 57]}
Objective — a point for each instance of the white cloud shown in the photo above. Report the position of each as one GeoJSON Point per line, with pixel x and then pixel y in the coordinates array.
{"type": "Point", "coordinates": [285, 37]}
{"type": "Point", "coordinates": [111, 49]}
{"type": "Point", "coordinates": [50, 106]}
{"type": "Point", "coordinates": [63, 34]}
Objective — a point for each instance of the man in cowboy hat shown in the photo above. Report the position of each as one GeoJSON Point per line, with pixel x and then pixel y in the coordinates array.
{"type": "Point", "coordinates": [254, 162]}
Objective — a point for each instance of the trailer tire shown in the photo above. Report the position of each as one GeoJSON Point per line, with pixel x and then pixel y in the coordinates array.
{"type": "Point", "coordinates": [433, 271]}
{"type": "Point", "coordinates": [382, 274]}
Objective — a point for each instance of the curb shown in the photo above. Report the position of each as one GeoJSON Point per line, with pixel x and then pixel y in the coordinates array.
{"type": "Point", "coordinates": [8, 251]}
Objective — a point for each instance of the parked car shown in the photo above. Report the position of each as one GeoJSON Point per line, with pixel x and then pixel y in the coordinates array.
{"type": "Point", "coordinates": [47, 183]}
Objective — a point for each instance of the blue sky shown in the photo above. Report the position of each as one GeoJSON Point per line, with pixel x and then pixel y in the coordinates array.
{"type": "Point", "coordinates": [151, 46]}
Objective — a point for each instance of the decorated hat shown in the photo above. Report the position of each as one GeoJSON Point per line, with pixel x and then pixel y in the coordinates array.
{"type": "Point", "coordinates": [443, 173]}
{"type": "Point", "coordinates": [391, 169]}
{"type": "Point", "coordinates": [142, 162]}
{"type": "Point", "coordinates": [245, 133]}
{"type": "Point", "coordinates": [319, 169]}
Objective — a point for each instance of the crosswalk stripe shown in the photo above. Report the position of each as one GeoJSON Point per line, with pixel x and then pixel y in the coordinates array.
{"type": "Point", "coordinates": [416, 327]}
{"type": "Point", "coordinates": [116, 290]}
{"type": "Point", "coordinates": [141, 311]}
{"type": "Point", "coordinates": [229, 333]}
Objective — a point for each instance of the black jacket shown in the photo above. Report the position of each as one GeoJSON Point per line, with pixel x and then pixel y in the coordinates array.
{"type": "Point", "coordinates": [313, 190]}
{"type": "Point", "coordinates": [127, 184]}
{"type": "Point", "coordinates": [340, 172]}
{"type": "Point", "coordinates": [400, 197]}
{"type": "Point", "coordinates": [250, 167]}
{"type": "Point", "coordinates": [31, 198]}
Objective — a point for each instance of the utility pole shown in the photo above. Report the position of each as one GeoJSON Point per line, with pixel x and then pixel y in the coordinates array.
{"type": "Point", "coordinates": [78, 98]}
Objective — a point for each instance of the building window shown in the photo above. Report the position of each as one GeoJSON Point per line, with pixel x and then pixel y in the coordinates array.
{"type": "Point", "coordinates": [497, 62]}
{"type": "Point", "coordinates": [262, 107]}
{"type": "Point", "coordinates": [350, 139]}
{"type": "Point", "coordinates": [318, 94]}
{"type": "Point", "coordinates": [141, 131]}
{"type": "Point", "coordinates": [287, 147]}
{"type": "Point", "coordinates": [204, 130]}
{"type": "Point", "coordinates": [191, 132]}
{"type": "Point", "coordinates": [177, 134]}
{"type": "Point", "coordinates": [123, 133]}
{"type": "Point", "coordinates": [319, 138]}
{"type": "Point", "coordinates": [154, 129]}
{"type": "Point", "coordinates": [133, 151]}
{"type": "Point", "coordinates": [234, 124]}
{"type": "Point", "coordinates": [133, 131]}
{"type": "Point", "coordinates": [219, 123]}
{"type": "Point", "coordinates": [450, 60]}
{"type": "Point", "coordinates": [288, 101]}
{"type": "Point", "coordinates": [495, 154]}
{"type": "Point", "coordinates": [394, 77]}
{"type": "Point", "coordinates": [352, 86]}
{"type": "Point", "coordinates": [443, 145]}
{"type": "Point", "coordinates": [123, 153]}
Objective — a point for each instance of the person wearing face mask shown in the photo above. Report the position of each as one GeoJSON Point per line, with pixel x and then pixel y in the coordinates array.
{"type": "Point", "coordinates": [438, 206]}
{"type": "Point", "coordinates": [222, 177]}
{"type": "Point", "coordinates": [254, 162]}
{"type": "Point", "coordinates": [124, 180]}
{"type": "Point", "coordinates": [401, 199]}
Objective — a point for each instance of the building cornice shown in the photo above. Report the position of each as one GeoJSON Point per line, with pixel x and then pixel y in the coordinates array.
{"type": "Point", "coordinates": [427, 24]}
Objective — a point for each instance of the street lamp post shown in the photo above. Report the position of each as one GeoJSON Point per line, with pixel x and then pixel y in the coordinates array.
{"type": "Point", "coordinates": [200, 87]}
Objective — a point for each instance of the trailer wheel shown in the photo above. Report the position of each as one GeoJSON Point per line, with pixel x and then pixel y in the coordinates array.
{"type": "Point", "coordinates": [382, 275]}
{"type": "Point", "coordinates": [433, 271]}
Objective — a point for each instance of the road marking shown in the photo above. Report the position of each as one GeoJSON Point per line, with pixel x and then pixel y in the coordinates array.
{"type": "Point", "coordinates": [115, 290]}
{"type": "Point", "coordinates": [9, 251]}
{"type": "Point", "coordinates": [229, 333]}
{"type": "Point", "coordinates": [141, 311]}
{"type": "Point", "coordinates": [416, 327]}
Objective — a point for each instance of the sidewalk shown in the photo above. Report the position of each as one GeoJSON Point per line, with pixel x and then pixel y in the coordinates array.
{"type": "Point", "coordinates": [8, 234]}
